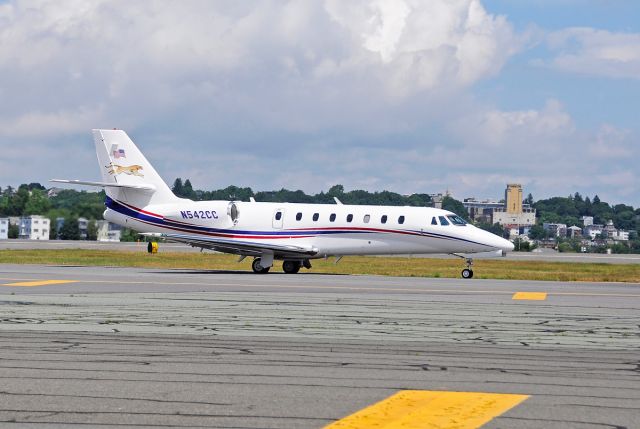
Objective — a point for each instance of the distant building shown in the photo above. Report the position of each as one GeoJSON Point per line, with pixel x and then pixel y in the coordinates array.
{"type": "Point", "coordinates": [34, 228]}
{"type": "Point", "coordinates": [4, 228]}
{"type": "Point", "coordinates": [512, 213]}
{"type": "Point", "coordinates": [481, 211]}
{"type": "Point", "coordinates": [513, 198]}
{"type": "Point", "coordinates": [555, 229]}
{"type": "Point", "coordinates": [574, 232]}
{"type": "Point", "coordinates": [83, 224]}
{"type": "Point", "coordinates": [108, 231]}
{"type": "Point", "coordinates": [593, 231]}
{"type": "Point", "coordinates": [620, 235]}
{"type": "Point", "coordinates": [587, 220]}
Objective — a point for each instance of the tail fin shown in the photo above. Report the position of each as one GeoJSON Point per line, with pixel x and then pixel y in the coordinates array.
{"type": "Point", "coordinates": [122, 163]}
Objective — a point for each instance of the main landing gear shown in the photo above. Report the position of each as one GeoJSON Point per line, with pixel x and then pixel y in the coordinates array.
{"type": "Point", "coordinates": [257, 268]}
{"type": "Point", "coordinates": [292, 267]}
{"type": "Point", "coordinates": [288, 266]}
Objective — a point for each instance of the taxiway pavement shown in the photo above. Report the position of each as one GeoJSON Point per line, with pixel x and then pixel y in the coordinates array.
{"type": "Point", "coordinates": [87, 346]}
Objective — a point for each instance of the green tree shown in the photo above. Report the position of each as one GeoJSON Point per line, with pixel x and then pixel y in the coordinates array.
{"type": "Point", "coordinates": [14, 231]}
{"type": "Point", "coordinates": [496, 228]}
{"type": "Point", "coordinates": [38, 203]}
{"type": "Point", "coordinates": [537, 232]}
{"type": "Point", "coordinates": [129, 235]}
{"type": "Point", "coordinates": [92, 230]}
{"type": "Point", "coordinates": [69, 230]}
{"type": "Point", "coordinates": [178, 188]}
{"type": "Point", "coordinates": [455, 206]}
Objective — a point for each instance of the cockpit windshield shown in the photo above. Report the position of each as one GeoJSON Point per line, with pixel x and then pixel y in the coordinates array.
{"type": "Point", "coordinates": [443, 221]}
{"type": "Point", "coordinates": [457, 220]}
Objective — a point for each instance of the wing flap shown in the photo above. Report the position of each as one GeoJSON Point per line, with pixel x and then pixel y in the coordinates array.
{"type": "Point", "coordinates": [241, 247]}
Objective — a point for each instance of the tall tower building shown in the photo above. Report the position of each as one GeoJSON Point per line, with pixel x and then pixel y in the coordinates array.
{"type": "Point", "coordinates": [513, 198]}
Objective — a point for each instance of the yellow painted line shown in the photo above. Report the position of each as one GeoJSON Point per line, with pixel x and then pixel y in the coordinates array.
{"type": "Point", "coordinates": [423, 409]}
{"type": "Point", "coordinates": [530, 296]}
{"type": "Point", "coordinates": [40, 283]}
{"type": "Point", "coordinates": [392, 288]}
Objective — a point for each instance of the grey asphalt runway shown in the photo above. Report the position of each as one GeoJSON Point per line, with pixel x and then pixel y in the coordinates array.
{"type": "Point", "coordinates": [547, 255]}
{"type": "Point", "coordinates": [113, 347]}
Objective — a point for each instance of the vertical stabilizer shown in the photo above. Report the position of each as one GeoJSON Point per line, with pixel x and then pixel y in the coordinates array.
{"type": "Point", "coordinates": [122, 162]}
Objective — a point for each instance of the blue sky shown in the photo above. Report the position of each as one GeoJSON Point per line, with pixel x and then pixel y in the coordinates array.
{"type": "Point", "coordinates": [405, 95]}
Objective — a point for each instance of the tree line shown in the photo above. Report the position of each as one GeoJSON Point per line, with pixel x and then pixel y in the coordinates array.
{"type": "Point", "coordinates": [70, 204]}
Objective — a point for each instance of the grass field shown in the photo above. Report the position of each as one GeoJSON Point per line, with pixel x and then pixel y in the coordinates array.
{"type": "Point", "coordinates": [388, 266]}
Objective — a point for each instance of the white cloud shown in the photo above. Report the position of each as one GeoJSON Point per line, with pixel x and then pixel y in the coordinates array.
{"type": "Point", "coordinates": [302, 94]}
{"type": "Point", "coordinates": [591, 51]}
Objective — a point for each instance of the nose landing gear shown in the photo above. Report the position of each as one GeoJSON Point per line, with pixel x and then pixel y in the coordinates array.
{"type": "Point", "coordinates": [467, 273]}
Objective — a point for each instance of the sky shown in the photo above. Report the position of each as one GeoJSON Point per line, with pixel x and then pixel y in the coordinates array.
{"type": "Point", "coordinates": [407, 96]}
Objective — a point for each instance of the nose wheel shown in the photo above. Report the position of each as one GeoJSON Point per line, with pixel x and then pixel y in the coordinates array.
{"type": "Point", "coordinates": [467, 273]}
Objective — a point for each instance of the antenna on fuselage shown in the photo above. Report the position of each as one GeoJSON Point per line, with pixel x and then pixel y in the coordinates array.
{"type": "Point", "coordinates": [337, 201]}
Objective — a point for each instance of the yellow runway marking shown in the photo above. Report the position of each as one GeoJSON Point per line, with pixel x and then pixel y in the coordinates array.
{"type": "Point", "coordinates": [531, 296]}
{"type": "Point", "coordinates": [423, 409]}
{"type": "Point", "coordinates": [40, 283]}
{"type": "Point", "coordinates": [391, 288]}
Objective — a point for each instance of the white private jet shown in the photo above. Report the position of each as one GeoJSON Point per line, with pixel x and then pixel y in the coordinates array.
{"type": "Point", "coordinates": [139, 199]}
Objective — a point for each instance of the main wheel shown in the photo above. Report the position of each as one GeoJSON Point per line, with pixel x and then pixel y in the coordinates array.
{"type": "Point", "coordinates": [467, 273]}
{"type": "Point", "coordinates": [291, 267]}
{"type": "Point", "coordinates": [257, 268]}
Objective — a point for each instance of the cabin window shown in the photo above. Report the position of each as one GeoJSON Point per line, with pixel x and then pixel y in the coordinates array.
{"type": "Point", "coordinates": [383, 219]}
{"type": "Point", "coordinates": [349, 217]}
{"type": "Point", "coordinates": [457, 220]}
{"type": "Point", "coordinates": [443, 220]}
{"type": "Point", "coordinates": [434, 221]}
{"type": "Point", "coordinates": [401, 220]}
{"type": "Point", "coordinates": [299, 216]}
{"type": "Point", "coordinates": [316, 216]}
{"type": "Point", "coordinates": [278, 215]}
{"type": "Point", "coordinates": [366, 218]}
{"type": "Point", "coordinates": [332, 218]}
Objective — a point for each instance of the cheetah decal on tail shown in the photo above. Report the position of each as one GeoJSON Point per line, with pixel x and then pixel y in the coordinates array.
{"type": "Point", "coordinates": [131, 170]}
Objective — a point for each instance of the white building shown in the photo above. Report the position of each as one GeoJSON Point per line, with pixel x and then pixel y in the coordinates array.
{"type": "Point", "coordinates": [593, 231]}
{"type": "Point", "coordinates": [34, 228]}
{"type": "Point", "coordinates": [555, 229]}
{"type": "Point", "coordinates": [4, 228]}
{"type": "Point", "coordinates": [106, 232]}
{"type": "Point", "coordinates": [587, 220]}
{"type": "Point", "coordinates": [620, 235]}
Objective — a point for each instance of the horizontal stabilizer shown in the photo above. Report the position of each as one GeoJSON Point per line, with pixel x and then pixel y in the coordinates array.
{"type": "Point", "coordinates": [140, 187]}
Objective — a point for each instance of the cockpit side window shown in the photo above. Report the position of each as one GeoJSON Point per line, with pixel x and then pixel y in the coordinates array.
{"type": "Point", "coordinates": [443, 220]}
{"type": "Point", "coordinates": [457, 220]}
{"type": "Point", "coordinates": [434, 221]}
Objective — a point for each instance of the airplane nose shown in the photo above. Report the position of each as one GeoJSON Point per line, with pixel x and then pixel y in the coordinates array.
{"type": "Point", "coordinates": [507, 246]}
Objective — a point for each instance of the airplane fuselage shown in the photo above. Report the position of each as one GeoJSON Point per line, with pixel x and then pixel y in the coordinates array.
{"type": "Point", "coordinates": [326, 229]}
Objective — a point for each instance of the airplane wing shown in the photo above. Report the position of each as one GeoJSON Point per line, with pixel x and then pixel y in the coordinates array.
{"type": "Point", "coordinates": [237, 247]}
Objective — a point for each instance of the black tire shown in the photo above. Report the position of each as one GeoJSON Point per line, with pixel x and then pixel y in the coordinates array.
{"type": "Point", "coordinates": [291, 267]}
{"type": "Point", "coordinates": [257, 268]}
{"type": "Point", "coordinates": [467, 273]}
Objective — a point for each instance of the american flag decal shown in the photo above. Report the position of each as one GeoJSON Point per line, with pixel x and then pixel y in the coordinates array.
{"type": "Point", "coordinates": [117, 153]}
